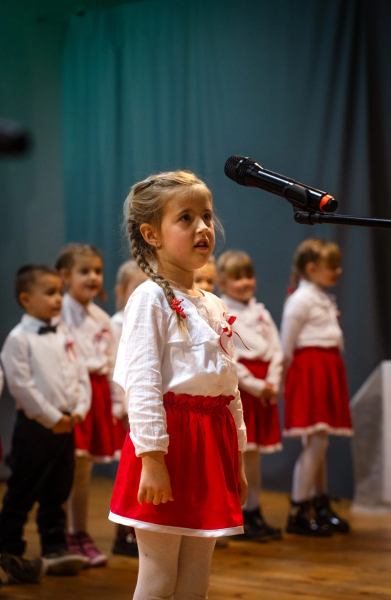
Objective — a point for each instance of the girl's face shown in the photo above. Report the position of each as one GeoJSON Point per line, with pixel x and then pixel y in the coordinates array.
{"type": "Point", "coordinates": [186, 237]}
{"type": "Point", "coordinates": [241, 289]}
{"type": "Point", "coordinates": [85, 278]}
{"type": "Point", "coordinates": [323, 274]}
{"type": "Point", "coordinates": [124, 293]}
{"type": "Point", "coordinates": [204, 278]}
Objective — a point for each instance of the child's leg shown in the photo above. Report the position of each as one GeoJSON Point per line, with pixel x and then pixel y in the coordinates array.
{"type": "Point", "coordinates": [308, 465]}
{"type": "Point", "coordinates": [320, 486]}
{"type": "Point", "coordinates": [195, 557]}
{"type": "Point", "coordinates": [252, 468]}
{"type": "Point", "coordinates": [78, 499]}
{"type": "Point", "coordinates": [158, 565]}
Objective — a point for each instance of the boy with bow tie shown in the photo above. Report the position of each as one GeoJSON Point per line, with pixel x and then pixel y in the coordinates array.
{"type": "Point", "coordinates": [52, 393]}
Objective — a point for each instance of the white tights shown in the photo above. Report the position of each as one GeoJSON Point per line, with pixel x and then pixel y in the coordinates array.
{"type": "Point", "coordinates": [252, 469]}
{"type": "Point", "coordinates": [78, 500]}
{"type": "Point", "coordinates": [173, 567]}
{"type": "Point", "coordinates": [310, 474]}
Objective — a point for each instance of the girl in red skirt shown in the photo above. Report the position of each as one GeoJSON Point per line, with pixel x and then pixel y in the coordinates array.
{"type": "Point", "coordinates": [99, 438]}
{"type": "Point", "coordinates": [180, 481]}
{"type": "Point", "coordinates": [316, 395]}
{"type": "Point", "coordinates": [259, 355]}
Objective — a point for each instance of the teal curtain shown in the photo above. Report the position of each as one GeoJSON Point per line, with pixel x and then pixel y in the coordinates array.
{"type": "Point", "coordinates": [301, 86]}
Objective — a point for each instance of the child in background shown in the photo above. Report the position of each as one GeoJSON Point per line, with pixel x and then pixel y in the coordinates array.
{"type": "Point", "coordinates": [180, 482]}
{"type": "Point", "coordinates": [100, 437]}
{"type": "Point", "coordinates": [316, 395]}
{"type": "Point", "coordinates": [52, 394]}
{"type": "Point", "coordinates": [259, 364]}
{"type": "Point", "coordinates": [205, 277]}
{"type": "Point", "coordinates": [129, 277]}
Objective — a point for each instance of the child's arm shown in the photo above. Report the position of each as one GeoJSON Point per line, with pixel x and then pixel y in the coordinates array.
{"type": "Point", "coordinates": [236, 409]}
{"type": "Point", "coordinates": [293, 320]}
{"type": "Point", "coordinates": [15, 359]}
{"type": "Point", "coordinates": [118, 408]}
{"type": "Point", "coordinates": [242, 485]}
{"type": "Point", "coordinates": [274, 373]}
{"type": "Point", "coordinates": [248, 382]}
{"type": "Point", "coordinates": [83, 404]}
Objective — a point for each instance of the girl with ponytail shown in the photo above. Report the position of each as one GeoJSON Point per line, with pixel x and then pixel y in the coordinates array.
{"type": "Point", "coordinates": [180, 482]}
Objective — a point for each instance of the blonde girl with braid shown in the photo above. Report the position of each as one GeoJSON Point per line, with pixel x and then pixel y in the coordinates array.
{"type": "Point", "coordinates": [180, 482]}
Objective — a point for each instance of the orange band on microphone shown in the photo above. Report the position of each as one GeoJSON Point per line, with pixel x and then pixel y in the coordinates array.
{"type": "Point", "coordinates": [324, 201]}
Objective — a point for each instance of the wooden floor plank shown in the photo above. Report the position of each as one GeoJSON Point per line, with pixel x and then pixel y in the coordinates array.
{"type": "Point", "coordinates": [349, 567]}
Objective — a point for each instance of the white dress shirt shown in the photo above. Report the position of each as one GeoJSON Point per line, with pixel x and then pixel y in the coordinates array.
{"type": "Point", "coordinates": [43, 372]}
{"type": "Point", "coordinates": [90, 326]}
{"type": "Point", "coordinates": [155, 356]}
{"type": "Point", "coordinates": [259, 333]}
{"type": "Point", "coordinates": [1, 380]}
{"type": "Point", "coordinates": [310, 318]}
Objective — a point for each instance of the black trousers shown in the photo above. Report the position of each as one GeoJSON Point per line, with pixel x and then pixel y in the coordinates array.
{"type": "Point", "coordinates": [42, 464]}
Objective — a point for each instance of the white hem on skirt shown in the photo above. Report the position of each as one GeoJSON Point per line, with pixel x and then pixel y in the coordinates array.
{"type": "Point", "coordinates": [299, 431]}
{"type": "Point", "coordinates": [264, 449]}
{"type": "Point", "coordinates": [99, 459]}
{"type": "Point", "coordinates": [175, 530]}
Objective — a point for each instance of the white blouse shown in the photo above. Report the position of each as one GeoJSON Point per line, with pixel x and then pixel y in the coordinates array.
{"type": "Point", "coordinates": [43, 372]}
{"type": "Point", "coordinates": [90, 326]}
{"type": "Point", "coordinates": [116, 322]}
{"type": "Point", "coordinates": [259, 333]}
{"type": "Point", "coordinates": [310, 318]}
{"type": "Point", "coordinates": [155, 356]}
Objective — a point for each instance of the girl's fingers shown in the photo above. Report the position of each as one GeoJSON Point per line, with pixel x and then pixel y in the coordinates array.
{"type": "Point", "coordinates": [157, 498]}
{"type": "Point", "coordinates": [149, 495]}
{"type": "Point", "coordinates": [141, 495]}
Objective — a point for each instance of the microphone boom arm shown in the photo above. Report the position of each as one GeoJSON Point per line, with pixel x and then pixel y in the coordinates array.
{"type": "Point", "coordinates": [315, 218]}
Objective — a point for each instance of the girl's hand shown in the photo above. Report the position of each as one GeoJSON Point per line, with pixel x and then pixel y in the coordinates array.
{"type": "Point", "coordinates": [155, 481]}
{"type": "Point", "coordinates": [242, 485]}
{"type": "Point", "coordinates": [268, 394]}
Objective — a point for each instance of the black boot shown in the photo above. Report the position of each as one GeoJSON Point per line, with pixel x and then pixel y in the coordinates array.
{"type": "Point", "coordinates": [255, 528]}
{"type": "Point", "coordinates": [267, 532]}
{"type": "Point", "coordinates": [302, 521]}
{"type": "Point", "coordinates": [125, 542]}
{"type": "Point", "coordinates": [325, 513]}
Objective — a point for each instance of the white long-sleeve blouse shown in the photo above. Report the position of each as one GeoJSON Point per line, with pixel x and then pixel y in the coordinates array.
{"type": "Point", "coordinates": [259, 333]}
{"type": "Point", "coordinates": [155, 357]}
{"type": "Point", "coordinates": [310, 318]}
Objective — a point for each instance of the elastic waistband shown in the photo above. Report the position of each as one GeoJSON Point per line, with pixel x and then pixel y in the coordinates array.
{"type": "Point", "coordinates": [196, 403]}
{"type": "Point", "coordinates": [254, 361]}
{"type": "Point", "coordinates": [330, 350]}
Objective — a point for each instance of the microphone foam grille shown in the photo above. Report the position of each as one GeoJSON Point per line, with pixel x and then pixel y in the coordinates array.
{"type": "Point", "coordinates": [235, 168]}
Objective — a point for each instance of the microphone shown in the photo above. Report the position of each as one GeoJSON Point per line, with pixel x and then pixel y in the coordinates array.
{"type": "Point", "coordinates": [247, 172]}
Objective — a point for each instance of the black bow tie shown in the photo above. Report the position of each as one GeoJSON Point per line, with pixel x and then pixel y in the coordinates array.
{"type": "Point", "coordinates": [47, 329]}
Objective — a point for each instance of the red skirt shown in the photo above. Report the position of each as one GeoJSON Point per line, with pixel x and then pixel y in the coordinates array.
{"type": "Point", "coordinates": [316, 393]}
{"type": "Point", "coordinates": [202, 462]}
{"type": "Point", "coordinates": [100, 435]}
{"type": "Point", "coordinates": [262, 422]}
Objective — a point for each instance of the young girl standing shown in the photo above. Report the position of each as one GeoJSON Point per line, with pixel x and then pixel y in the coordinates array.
{"type": "Point", "coordinates": [180, 481]}
{"type": "Point", "coordinates": [316, 395]}
{"type": "Point", "coordinates": [259, 363]}
{"type": "Point", "coordinates": [100, 436]}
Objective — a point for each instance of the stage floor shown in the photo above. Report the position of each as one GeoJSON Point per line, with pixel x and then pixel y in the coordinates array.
{"type": "Point", "coordinates": [353, 566]}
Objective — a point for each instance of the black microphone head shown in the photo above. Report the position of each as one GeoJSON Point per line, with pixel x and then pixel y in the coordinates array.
{"type": "Point", "coordinates": [236, 166]}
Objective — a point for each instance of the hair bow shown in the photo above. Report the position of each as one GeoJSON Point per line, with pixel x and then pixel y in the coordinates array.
{"type": "Point", "coordinates": [176, 305]}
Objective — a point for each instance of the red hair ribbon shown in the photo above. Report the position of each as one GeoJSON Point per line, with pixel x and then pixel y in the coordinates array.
{"type": "Point", "coordinates": [176, 305]}
{"type": "Point", "coordinates": [230, 320]}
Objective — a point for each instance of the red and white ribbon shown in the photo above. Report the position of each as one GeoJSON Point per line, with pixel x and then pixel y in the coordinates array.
{"type": "Point", "coordinates": [70, 349]}
{"type": "Point", "coordinates": [226, 329]}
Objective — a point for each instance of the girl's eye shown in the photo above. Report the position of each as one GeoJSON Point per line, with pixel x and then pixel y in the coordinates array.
{"type": "Point", "coordinates": [207, 217]}
{"type": "Point", "coordinates": [84, 271]}
{"type": "Point", "coordinates": [185, 217]}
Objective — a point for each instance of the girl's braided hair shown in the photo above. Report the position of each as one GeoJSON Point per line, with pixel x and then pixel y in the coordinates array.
{"type": "Point", "coordinates": [145, 204]}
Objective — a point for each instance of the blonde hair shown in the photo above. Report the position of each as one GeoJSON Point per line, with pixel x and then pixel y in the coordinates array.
{"type": "Point", "coordinates": [69, 255]}
{"type": "Point", "coordinates": [145, 204]}
{"type": "Point", "coordinates": [234, 264]}
{"type": "Point", "coordinates": [126, 273]}
{"type": "Point", "coordinates": [313, 251]}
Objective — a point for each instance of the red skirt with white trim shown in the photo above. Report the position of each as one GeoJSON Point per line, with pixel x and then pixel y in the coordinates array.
{"type": "Point", "coordinates": [202, 462]}
{"type": "Point", "coordinates": [262, 421]}
{"type": "Point", "coordinates": [100, 435]}
{"type": "Point", "coordinates": [316, 393]}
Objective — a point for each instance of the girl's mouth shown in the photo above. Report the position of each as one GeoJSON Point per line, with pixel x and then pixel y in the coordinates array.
{"type": "Point", "coordinates": [202, 244]}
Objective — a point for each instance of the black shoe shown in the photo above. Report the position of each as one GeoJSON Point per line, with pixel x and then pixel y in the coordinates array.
{"type": "Point", "coordinates": [125, 542]}
{"type": "Point", "coordinates": [302, 521]}
{"type": "Point", "coordinates": [15, 569]}
{"type": "Point", "coordinates": [64, 562]}
{"type": "Point", "coordinates": [266, 531]}
{"type": "Point", "coordinates": [325, 513]}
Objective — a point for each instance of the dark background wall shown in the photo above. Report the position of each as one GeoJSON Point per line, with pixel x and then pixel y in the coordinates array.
{"type": "Point", "coordinates": [303, 87]}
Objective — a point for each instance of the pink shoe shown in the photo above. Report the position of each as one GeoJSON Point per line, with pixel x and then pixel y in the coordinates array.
{"type": "Point", "coordinates": [87, 545]}
{"type": "Point", "coordinates": [74, 546]}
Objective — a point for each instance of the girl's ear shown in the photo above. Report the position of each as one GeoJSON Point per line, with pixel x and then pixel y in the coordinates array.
{"type": "Point", "coordinates": [310, 269]}
{"type": "Point", "coordinates": [65, 275]}
{"type": "Point", "coordinates": [150, 235]}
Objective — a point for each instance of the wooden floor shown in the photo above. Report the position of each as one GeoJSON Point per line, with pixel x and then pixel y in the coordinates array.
{"type": "Point", "coordinates": [353, 566]}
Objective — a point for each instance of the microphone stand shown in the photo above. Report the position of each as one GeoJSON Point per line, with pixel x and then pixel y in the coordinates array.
{"type": "Point", "coordinates": [312, 217]}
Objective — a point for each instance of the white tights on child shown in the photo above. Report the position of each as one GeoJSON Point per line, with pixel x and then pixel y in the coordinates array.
{"type": "Point", "coordinates": [78, 499]}
{"type": "Point", "coordinates": [173, 567]}
{"type": "Point", "coordinates": [310, 475]}
{"type": "Point", "coordinates": [252, 469]}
